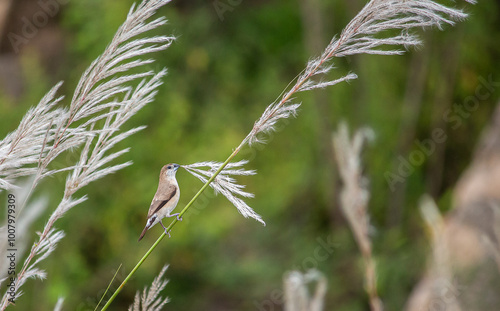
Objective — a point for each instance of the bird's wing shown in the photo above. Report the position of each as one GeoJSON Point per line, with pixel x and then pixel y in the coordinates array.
{"type": "Point", "coordinates": [157, 204]}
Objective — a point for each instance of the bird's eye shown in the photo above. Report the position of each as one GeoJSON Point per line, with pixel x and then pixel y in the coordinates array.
{"type": "Point", "coordinates": [169, 167]}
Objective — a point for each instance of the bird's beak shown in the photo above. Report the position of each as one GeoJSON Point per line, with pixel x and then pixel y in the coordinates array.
{"type": "Point", "coordinates": [176, 166]}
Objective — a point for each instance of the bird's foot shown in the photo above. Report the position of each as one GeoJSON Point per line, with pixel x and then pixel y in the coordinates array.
{"type": "Point", "coordinates": [177, 215]}
{"type": "Point", "coordinates": [166, 232]}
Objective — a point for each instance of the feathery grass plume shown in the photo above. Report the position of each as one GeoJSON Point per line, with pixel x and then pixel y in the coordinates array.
{"type": "Point", "coordinates": [150, 300]}
{"type": "Point", "coordinates": [32, 212]}
{"type": "Point", "coordinates": [354, 198]}
{"type": "Point", "coordinates": [297, 297]}
{"type": "Point", "coordinates": [44, 248]}
{"type": "Point", "coordinates": [225, 184]}
{"type": "Point", "coordinates": [46, 131]}
{"type": "Point", "coordinates": [103, 101]}
{"type": "Point", "coordinates": [25, 146]}
{"type": "Point", "coordinates": [378, 17]}
{"type": "Point", "coordinates": [375, 18]}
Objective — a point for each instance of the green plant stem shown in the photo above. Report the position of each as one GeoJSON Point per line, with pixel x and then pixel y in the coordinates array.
{"type": "Point", "coordinates": [172, 224]}
{"type": "Point", "coordinates": [106, 291]}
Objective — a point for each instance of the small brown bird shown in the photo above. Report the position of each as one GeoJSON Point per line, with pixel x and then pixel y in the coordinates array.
{"type": "Point", "coordinates": [165, 200]}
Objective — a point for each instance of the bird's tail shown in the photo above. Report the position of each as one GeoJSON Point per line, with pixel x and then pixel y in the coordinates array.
{"type": "Point", "coordinates": [143, 232]}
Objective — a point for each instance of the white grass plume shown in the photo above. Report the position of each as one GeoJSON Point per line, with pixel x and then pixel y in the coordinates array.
{"type": "Point", "coordinates": [150, 300]}
{"type": "Point", "coordinates": [296, 290]}
{"type": "Point", "coordinates": [25, 146]}
{"type": "Point", "coordinates": [367, 33]}
{"type": "Point", "coordinates": [226, 184]}
{"type": "Point", "coordinates": [354, 194]}
{"type": "Point", "coordinates": [44, 249]}
{"type": "Point", "coordinates": [46, 131]}
{"type": "Point", "coordinates": [104, 99]}
{"type": "Point", "coordinates": [33, 211]}
{"type": "Point", "coordinates": [354, 198]}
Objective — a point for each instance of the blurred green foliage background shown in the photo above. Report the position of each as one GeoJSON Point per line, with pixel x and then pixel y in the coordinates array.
{"type": "Point", "coordinates": [222, 75]}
